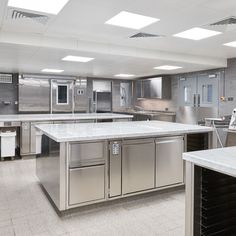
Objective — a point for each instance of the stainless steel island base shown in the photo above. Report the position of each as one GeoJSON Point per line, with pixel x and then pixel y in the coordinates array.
{"type": "Point", "coordinates": [75, 174]}
{"type": "Point", "coordinates": [81, 173]}
{"type": "Point", "coordinates": [83, 164]}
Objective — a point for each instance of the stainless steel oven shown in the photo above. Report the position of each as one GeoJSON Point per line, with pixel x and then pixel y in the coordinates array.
{"type": "Point", "coordinates": [62, 96]}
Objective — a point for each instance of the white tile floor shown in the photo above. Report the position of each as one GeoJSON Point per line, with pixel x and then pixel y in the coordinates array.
{"type": "Point", "coordinates": [25, 210]}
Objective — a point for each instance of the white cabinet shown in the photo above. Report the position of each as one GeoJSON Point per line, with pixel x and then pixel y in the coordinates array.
{"type": "Point", "coordinates": [8, 144]}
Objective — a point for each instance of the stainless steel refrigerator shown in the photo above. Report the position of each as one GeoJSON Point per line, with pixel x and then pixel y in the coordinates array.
{"type": "Point", "coordinates": [198, 97]}
{"type": "Point", "coordinates": [102, 96]}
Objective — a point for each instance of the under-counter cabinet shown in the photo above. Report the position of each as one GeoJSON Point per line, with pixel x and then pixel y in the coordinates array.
{"type": "Point", "coordinates": [86, 184]}
{"type": "Point", "coordinates": [86, 179]}
{"type": "Point", "coordinates": [169, 163]}
{"type": "Point", "coordinates": [138, 165]}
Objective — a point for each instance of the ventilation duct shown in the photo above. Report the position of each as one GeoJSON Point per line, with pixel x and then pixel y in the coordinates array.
{"type": "Point", "coordinates": [228, 21]}
{"type": "Point", "coordinates": [223, 25]}
{"type": "Point", "coordinates": [145, 35]}
{"type": "Point", "coordinates": [15, 14]}
{"type": "Point", "coordinates": [5, 78]}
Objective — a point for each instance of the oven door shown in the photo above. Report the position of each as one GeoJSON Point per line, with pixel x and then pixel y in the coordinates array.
{"type": "Point", "coordinates": [62, 96]}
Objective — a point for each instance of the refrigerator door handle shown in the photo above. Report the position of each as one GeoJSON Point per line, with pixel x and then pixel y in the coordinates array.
{"type": "Point", "coordinates": [194, 100]}
{"type": "Point", "coordinates": [198, 100]}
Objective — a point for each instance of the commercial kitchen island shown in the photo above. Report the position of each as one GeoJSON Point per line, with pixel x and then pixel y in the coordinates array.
{"type": "Point", "coordinates": [82, 164]}
{"type": "Point", "coordinates": [211, 192]}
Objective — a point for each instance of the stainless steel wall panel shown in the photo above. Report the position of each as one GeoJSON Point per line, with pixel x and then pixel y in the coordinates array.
{"type": "Point", "coordinates": [8, 96]}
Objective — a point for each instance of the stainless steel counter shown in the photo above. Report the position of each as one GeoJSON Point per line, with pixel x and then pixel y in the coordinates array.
{"type": "Point", "coordinates": [26, 135]}
{"type": "Point", "coordinates": [140, 115]}
{"type": "Point", "coordinates": [61, 117]}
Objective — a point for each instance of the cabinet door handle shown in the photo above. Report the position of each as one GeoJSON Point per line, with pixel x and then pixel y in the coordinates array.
{"type": "Point", "coordinates": [198, 100]}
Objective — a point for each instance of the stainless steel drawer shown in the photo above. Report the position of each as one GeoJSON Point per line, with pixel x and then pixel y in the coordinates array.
{"type": "Point", "coordinates": [169, 163]}
{"type": "Point", "coordinates": [86, 154]}
{"type": "Point", "coordinates": [86, 184]}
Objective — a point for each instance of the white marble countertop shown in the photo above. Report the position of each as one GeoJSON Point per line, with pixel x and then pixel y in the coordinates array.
{"type": "Point", "coordinates": [221, 159]}
{"type": "Point", "coordinates": [51, 117]}
{"type": "Point", "coordinates": [109, 130]}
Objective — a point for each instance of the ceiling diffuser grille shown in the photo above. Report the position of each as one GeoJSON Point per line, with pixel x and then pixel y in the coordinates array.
{"type": "Point", "coordinates": [5, 78]}
{"type": "Point", "coordinates": [17, 14]}
{"type": "Point", "coordinates": [227, 21]}
{"type": "Point", "coordinates": [145, 35]}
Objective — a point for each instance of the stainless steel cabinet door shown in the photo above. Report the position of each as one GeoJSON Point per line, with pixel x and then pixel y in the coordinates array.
{"type": "Point", "coordinates": [80, 94]}
{"type": "Point", "coordinates": [86, 184]}
{"type": "Point", "coordinates": [208, 91]}
{"type": "Point", "coordinates": [188, 91]}
{"type": "Point", "coordinates": [138, 165]}
{"type": "Point", "coordinates": [169, 163]}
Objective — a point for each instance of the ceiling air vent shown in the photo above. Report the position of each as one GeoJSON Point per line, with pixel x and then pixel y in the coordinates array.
{"type": "Point", "coordinates": [227, 21]}
{"type": "Point", "coordinates": [17, 14]}
{"type": "Point", "coordinates": [5, 78]}
{"type": "Point", "coordinates": [146, 35]}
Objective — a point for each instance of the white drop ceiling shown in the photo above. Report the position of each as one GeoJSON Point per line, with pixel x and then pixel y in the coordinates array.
{"type": "Point", "coordinates": [27, 46]}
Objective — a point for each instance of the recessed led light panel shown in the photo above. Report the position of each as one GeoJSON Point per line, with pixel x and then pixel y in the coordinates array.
{"type": "Point", "coordinates": [231, 44]}
{"type": "Point", "coordinates": [52, 70]}
{"type": "Point", "coordinates": [77, 59]}
{"type": "Point", "coordinates": [125, 75]}
{"type": "Point", "coordinates": [46, 6]}
{"type": "Point", "coordinates": [131, 20]}
{"type": "Point", "coordinates": [167, 67]}
{"type": "Point", "coordinates": [197, 33]}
